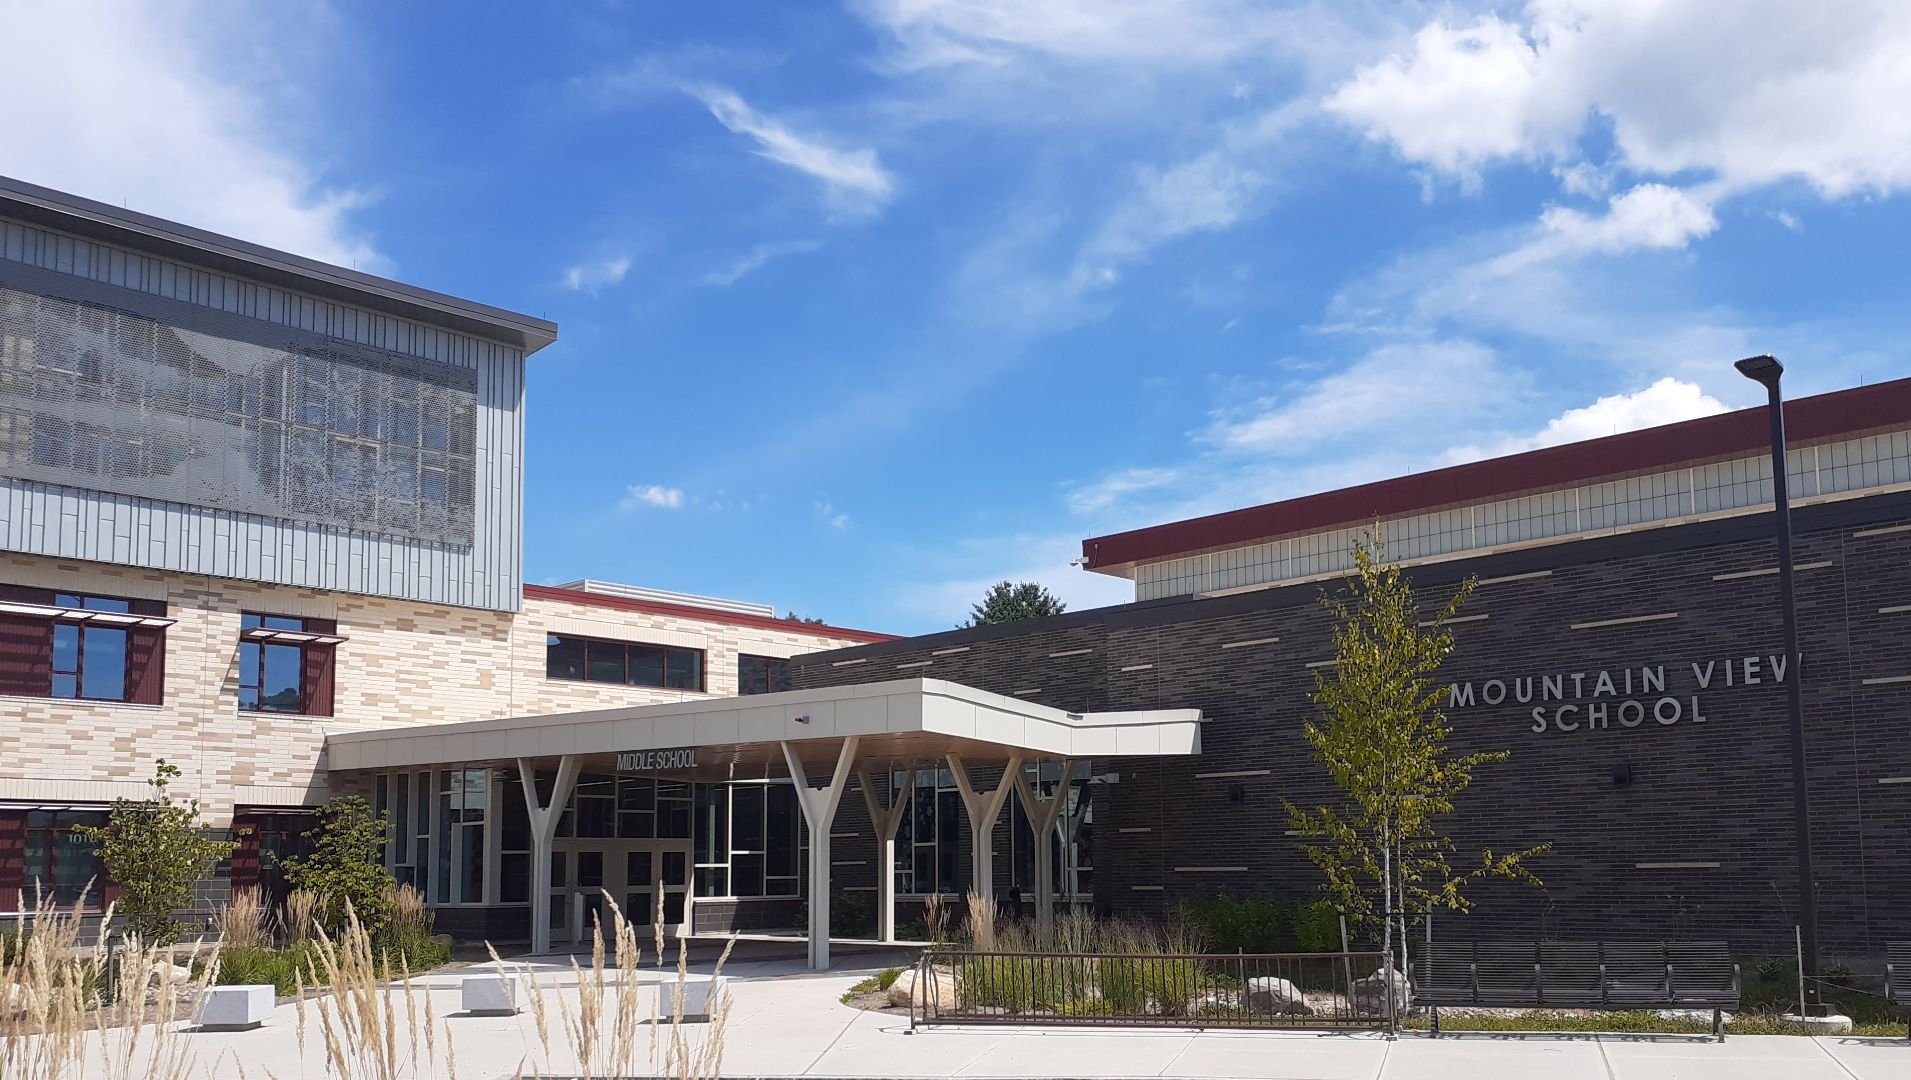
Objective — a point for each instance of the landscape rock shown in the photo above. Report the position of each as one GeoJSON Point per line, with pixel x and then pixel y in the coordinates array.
{"type": "Point", "coordinates": [903, 994]}
{"type": "Point", "coordinates": [1370, 993]}
{"type": "Point", "coordinates": [1271, 994]}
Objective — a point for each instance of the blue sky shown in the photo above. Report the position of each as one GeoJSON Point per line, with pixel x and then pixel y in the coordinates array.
{"type": "Point", "coordinates": [866, 305]}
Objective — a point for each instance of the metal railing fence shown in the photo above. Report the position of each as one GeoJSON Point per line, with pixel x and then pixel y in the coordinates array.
{"type": "Point", "coordinates": [1342, 990]}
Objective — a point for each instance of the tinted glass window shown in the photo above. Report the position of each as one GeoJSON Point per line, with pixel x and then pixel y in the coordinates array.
{"type": "Point", "coordinates": [762, 674]}
{"type": "Point", "coordinates": [606, 661]}
{"type": "Point", "coordinates": [686, 669]}
{"type": "Point", "coordinates": [563, 657]}
{"type": "Point", "coordinates": [646, 666]}
{"type": "Point", "coordinates": [103, 664]}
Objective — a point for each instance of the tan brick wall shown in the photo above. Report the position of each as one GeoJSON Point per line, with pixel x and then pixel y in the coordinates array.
{"type": "Point", "coordinates": [405, 663]}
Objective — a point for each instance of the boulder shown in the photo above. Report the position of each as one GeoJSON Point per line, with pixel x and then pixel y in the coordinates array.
{"type": "Point", "coordinates": [903, 993]}
{"type": "Point", "coordinates": [1370, 993]}
{"type": "Point", "coordinates": [171, 981]}
{"type": "Point", "coordinates": [1271, 994]}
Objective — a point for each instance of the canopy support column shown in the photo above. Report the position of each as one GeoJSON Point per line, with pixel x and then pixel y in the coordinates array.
{"type": "Point", "coordinates": [1042, 817]}
{"type": "Point", "coordinates": [819, 811]}
{"type": "Point", "coordinates": [983, 809]}
{"type": "Point", "coordinates": [886, 819]}
{"type": "Point", "coordinates": [543, 835]}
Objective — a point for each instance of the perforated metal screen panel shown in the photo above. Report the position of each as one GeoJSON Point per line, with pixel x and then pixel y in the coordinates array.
{"type": "Point", "coordinates": [196, 406]}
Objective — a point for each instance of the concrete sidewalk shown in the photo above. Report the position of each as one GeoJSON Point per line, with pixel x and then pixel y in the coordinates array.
{"type": "Point", "coordinates": [787, 1022]}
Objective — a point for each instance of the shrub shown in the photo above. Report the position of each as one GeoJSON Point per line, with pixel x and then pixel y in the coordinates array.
{"type": "Point", "coordinates": [156, 850]}
{"type": "Point", "coordinates": [346, 865]}
{"type": "Point", "coordinates": [851, 915]}
{"type": "Point", "coordinates": [1317, 927]}
{"type": "Point", "coordinates": [1255, 924]}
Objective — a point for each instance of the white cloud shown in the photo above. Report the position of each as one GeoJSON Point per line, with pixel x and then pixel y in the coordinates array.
{"type": "Point", "coordinates": [590, 277]}
{"type": "Point", "coordinates": [1788, 219]}
{"type": "Point", "coordinates": [1393, 388]}
{"type": "Point", "coordinates": [753, 260]}
{"type": "Point", "coordinates": [1666, 401]}
{"type": "Point", "coordinates": [830, 516]}
{"type": "Point", "coordinates": [1813, 91]}
{"type": "Point", "coordinates": [143, 104]}
{"type": "Point", "coordinates": [652, 495]}
{"type": "Point", "coordinates": [1648, 216]}
{"type": "Point", "coordinates": [854, 182]}
{"type": "Point", "coordinates": [1465, 96]}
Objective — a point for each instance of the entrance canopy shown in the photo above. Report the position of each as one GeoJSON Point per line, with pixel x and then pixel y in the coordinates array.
{"type": "Point", "coordinates": [897, 724]}
{"type": "Point", "coordinates": [828, 734]}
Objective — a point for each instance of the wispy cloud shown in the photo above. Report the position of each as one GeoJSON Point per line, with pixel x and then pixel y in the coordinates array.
{"type": "Point", "coordinates": [830, 516]}
{"type": "Point", "coordinates": [753, 260]}
{"type": "Point", "coordinates": [960, 573]}
{"type": "Point", "coordinates": [854, 182]}
{"type": "Point", "coordinates": [651, 495]}
{"type": "Point", "coordinates": [170, 122]}
{"type": "Point", "coordinates": [592, 276]}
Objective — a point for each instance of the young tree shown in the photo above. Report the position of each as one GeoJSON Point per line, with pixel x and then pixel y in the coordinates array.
{"type": "Point", "coordinates": [347, 863]}
{"type": "Point", "coordinates": [157, 850]}
{"type": "Point", "coordinates": [1383, 740]}
{"type": "Point", "coordinates": [1007, 603]}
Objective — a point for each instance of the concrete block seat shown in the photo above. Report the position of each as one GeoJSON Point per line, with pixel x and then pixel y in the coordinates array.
{"type": "Point", "coordinates": [701, 995]}
{"type": "Point", "coordinates": [234, 1008]}
{"type": "Point", "coordinates": [493, 993]}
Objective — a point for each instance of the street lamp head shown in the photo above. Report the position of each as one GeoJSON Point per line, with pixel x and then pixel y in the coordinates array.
{"type": "Point", "coordinates": [1764, 370]}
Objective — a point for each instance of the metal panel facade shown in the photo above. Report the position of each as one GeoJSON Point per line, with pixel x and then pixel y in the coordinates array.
{"type": "Point", "coordinates": [483, 570]}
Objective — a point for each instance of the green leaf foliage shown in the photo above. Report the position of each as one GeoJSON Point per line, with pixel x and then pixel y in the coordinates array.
{"type": "Point", "coordinates": [156, 850]}
{"type": "Point", "coordinates": [1382, 737]}
{"type": "Point", "coordinates": [346, 866]}
{"type": "Point", "coordinates": [1005, 602]}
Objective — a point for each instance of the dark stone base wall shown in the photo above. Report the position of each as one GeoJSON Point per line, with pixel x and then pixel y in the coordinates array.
{"type": "Point", "coordinates": [494, 924]}
{"type": "Point", "coordinates": [1694, 792]}
{"type": "Point", "coordinates": [725, 916]}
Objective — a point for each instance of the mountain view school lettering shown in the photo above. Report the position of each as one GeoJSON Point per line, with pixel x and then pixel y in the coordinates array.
{"type": "Point", "coordinates": [1628, 697]}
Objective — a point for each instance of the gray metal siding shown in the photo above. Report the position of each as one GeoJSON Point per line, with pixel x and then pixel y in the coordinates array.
{"type": "Point", "coordinates": [67, 522]}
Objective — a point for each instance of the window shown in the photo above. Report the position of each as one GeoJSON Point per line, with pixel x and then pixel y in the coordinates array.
{"type": "Point", "coordinates": [286, 664]}
{"type": "Point", "coordinates": [628, 663]}
{"type": "Point", "coordinates": [281, 836]}
{"type": "Point", "coordinates": [60, 863]}
{"type": "Point", "coordinates": [81, 647]}
{"type": "Point", "coordinates": [1069, 852]}
{"type": "Point", "coordinates": [762, 674]}
{"type": "Point", "coordinates": [89, 661]}
{"type": "Point", "coordinates": [458, 874]}
{"type": "Point", "coordinates": [747, 840]}
{"type": "Point", "coordinates": [929, 851]}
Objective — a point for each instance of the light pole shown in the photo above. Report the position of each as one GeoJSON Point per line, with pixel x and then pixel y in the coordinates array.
{"type": "Point", "coordinates": [1766, 371]}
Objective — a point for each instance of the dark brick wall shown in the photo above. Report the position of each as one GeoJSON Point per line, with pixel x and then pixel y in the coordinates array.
{"type": "Point", "coordinates": [1716, 791]}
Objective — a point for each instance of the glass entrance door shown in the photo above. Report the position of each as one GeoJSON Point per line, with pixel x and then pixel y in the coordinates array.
{"type": "Point", "coordinates": [657, 872]}
{"type": "Point", "coordinates": [636, 873]}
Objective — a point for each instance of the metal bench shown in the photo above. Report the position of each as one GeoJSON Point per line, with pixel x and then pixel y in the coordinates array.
{"type": "Point", "coordinates": [1615, 976]}
{"type": "Point", "coordinates": [1897, 979]}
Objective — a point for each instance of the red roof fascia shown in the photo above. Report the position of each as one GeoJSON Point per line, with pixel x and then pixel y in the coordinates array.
{"type": "Point", "coordinates": [685, 611]}
{"type": "Point", "coordinates": [1822, 418]}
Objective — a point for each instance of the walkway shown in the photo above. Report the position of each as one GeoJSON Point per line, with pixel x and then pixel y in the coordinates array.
{"type": "Point", "coordinates": [787, 1022]}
